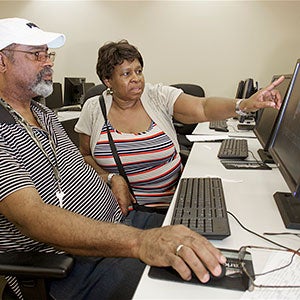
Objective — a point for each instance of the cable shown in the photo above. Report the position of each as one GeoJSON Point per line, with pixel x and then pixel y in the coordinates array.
{"type": "Point", "coordinates": [260, 236]}
{"type": "Point", "coordinates": [282, 267]}
{"type": "Point", "coordinates": [283, 233]}
{"type": "Point", "coordinates": [260, 163]}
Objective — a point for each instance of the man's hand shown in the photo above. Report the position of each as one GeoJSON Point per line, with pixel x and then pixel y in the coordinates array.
{"type": "Point", "coordinates": [183, 249]}
{"type": "Point", "coordinates": [120, 189]}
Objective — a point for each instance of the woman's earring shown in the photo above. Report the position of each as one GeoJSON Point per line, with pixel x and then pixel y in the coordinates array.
{"type": "Point", "coordinates": [109, 91]}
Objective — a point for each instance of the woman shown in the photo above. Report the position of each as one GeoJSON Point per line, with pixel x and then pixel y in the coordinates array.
{"type": "Point", "coordinates": [140, 121]}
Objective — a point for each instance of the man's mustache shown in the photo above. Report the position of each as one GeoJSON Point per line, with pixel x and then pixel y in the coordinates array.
{"type": "Point", "coordinates": [46, 71]}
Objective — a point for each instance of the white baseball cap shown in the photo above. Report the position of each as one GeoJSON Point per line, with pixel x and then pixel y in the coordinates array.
{"type": "Point", "coordinates": [24, 32]}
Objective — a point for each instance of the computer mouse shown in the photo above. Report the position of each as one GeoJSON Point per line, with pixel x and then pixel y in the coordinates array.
{"type": "Point", "coordinates": [223, 273]}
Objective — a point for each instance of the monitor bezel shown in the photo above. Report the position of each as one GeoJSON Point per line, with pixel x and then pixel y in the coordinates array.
{"type": "Point", "coordinates": [293, 183]}
{"type": "Point", "coordinates": [266, 143]}
{"type": "Point", "coordinates": [249, 88]}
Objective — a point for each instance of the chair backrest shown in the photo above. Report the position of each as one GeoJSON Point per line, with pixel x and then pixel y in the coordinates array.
{"type": "Point", "coordinates": [194, 90]}
{"type": "Point", "coordinates": [94, 91]}
{"type": "Point", "coordinates": [191, 89]}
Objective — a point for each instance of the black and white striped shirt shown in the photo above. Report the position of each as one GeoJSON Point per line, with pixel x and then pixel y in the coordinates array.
{"type": "Point", "coordinates": [23, 164]}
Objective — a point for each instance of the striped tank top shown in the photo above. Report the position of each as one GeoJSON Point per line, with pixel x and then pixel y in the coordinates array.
{"type": "Point", "coordinates": [149, 158]}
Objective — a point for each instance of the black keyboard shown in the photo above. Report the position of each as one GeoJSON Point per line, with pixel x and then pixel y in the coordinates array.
{"type": "Point", "coordinates": [200, 205]}
{"type": "Point", "coordinates": [242, 126]}
{"type": "Point", "coordinates": [233, 148]}
{"type": "Point", "coordinates": [219, 125]}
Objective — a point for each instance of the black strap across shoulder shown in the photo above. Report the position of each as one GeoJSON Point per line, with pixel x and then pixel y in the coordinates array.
{"type": "Point", "coordinates": [117, 159]}
{"type": "Point", "coordinates": [113, 146]}
{"type": "Point", "coordinates": [122, 172]}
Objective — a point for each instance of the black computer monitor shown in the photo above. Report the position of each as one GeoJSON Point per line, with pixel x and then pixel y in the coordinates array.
{"type": "Point", "coordinates": [249, 89]}
{"type": "Point", "coordinates": [285, 150]}
{"type": "Point", "coordinates": [73, 90]}
{"type": "Point", "coordinates": [267, 118]}
{"type": "Point", "coordinates": [240, 90]}
{"type": "Point", "coordinates": [55, 100]}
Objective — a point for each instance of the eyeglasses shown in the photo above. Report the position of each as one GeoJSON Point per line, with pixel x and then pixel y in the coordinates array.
{"type": "Point", "coordinates": [41, 56]}
{"type": "Point", "coordinates": [251, 276]}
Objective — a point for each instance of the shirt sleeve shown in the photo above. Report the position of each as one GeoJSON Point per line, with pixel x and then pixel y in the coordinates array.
{"type": "Point", "coordinates": [86, 119]}
{"type": "Point", "coordinates": [164, 96]}
{"type": "Point", "coordinates": [13, 176]}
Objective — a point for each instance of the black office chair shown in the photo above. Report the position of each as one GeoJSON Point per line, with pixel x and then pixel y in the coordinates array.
{"type": "Point", "coordinates": [94, 91]}
{"type": "Point", "coordinates": [69, 125]}
{"type": "Point", "coordinates": [183, 129]}
{"type": "Point", "coordinates": [32, 269]}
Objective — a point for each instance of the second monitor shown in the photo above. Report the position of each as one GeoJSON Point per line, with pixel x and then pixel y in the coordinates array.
{"type": "Point", "coordinates": [73, 90]}
{"type": "Point", "coordinates": [266, 122]}
{"type": "Point", "coordinates": [285, 150]}
{"type": "Point", "coordinates": [55, 100]}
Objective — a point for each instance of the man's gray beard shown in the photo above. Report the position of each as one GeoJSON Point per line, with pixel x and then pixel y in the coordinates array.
{"type": "Point", "coordinates": [43, 88]}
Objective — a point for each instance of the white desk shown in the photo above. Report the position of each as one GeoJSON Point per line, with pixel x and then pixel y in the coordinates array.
{"type": "Point", "coordinates": [203, 128]}
{"type": "Point", "coordinates": [67, 115]}
{"type": "Point", "coordinates": [249, 196]}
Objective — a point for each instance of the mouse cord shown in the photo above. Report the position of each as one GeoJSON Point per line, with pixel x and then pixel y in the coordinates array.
{"type": "Point", "coordinates": [260, 236]}
{"type": "Point", "coordinates": [260, 163]}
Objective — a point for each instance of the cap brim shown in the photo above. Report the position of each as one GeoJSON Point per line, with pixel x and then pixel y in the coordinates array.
{"type": "Point", "coordinates": [51, 39]}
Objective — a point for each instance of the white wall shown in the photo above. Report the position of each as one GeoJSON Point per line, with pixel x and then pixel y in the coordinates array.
{"type": "Point", "coordinates": [212, 43]}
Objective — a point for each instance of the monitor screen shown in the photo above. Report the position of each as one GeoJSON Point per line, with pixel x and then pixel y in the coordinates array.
{"type": "Point", "coordinates": [285, 150]}
{"type": "Point", "coordinates": [55, 100]}
{"type": "Point", "coordinates": [73, 90]}
{"type": "Point", "coordinates": [267, 119]}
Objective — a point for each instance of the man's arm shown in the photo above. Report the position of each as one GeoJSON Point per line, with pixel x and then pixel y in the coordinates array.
{"type": "Point", "coordinates": [79, 235]}
{"type": "Point", "coordinates": [63, 229]}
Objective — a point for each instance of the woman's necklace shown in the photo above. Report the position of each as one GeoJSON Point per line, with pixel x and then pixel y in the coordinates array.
{"type": "Point", "coordinates": [59, 194]}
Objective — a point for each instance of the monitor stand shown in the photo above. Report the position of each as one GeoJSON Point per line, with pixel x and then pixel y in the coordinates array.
{"type": "Point", "coordinates": [265, 156]}
{"type": "Point", "coordinates": [289, 208]}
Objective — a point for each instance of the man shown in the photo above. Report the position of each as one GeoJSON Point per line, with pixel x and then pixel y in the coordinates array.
{"type": "Point", "coordinates": [51, 201]}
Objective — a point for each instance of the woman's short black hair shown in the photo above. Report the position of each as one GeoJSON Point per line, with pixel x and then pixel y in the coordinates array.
{"type": "Point", "coordinates": [112, 54]}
